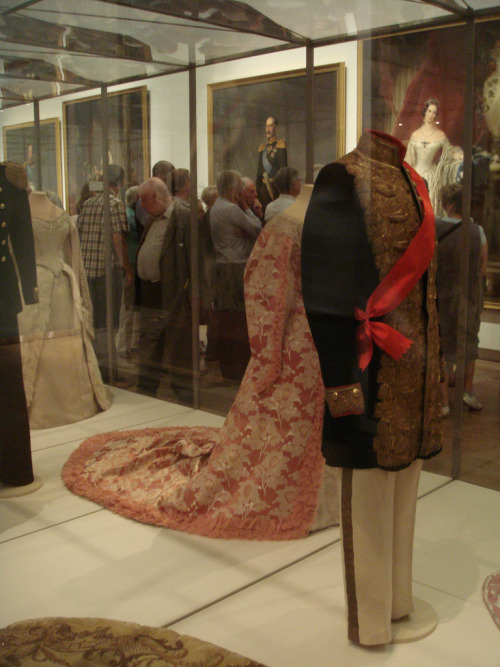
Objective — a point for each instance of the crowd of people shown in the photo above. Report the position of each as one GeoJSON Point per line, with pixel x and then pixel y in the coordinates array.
{"type": "Point", "coordinates": [151, 261]}
{"type": "Point", "coordinates": [152, 296]}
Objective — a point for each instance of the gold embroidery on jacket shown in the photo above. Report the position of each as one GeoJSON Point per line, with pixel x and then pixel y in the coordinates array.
{"type": "Point", "coordinates": [408, 403]}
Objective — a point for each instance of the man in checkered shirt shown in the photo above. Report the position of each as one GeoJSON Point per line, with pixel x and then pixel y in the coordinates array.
{"type": "Point", "coordinates": [91, 229]}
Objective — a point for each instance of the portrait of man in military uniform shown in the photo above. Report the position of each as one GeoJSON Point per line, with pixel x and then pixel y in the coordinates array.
{"type": "Point", "coordinates": [272, 156]}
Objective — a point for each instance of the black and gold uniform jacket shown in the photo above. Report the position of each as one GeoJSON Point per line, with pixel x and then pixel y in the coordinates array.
{"type": "Point", "coordinates": [363, 214]}
{"type": "Point", "coordinates": [15, 225]}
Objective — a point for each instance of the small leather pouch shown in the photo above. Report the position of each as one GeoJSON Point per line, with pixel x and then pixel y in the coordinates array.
{"type": "Point", "coordinates": [345, 400]}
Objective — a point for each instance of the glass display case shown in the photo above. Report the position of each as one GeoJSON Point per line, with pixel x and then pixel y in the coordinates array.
{"type": "Point", "coordinates": [87, 88]}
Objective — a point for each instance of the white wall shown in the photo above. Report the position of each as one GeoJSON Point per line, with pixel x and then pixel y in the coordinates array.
{"type": "Point", "coordinates": [489, 336]}
{"type": "Point", "coordinates": [267, 64]}
{"type": "Point", "coordinates": [169, 101]}
{"type": "Point", "coordinates": [169, 110]}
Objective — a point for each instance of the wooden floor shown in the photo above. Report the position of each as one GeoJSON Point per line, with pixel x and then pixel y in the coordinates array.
{"type": "Point", "coordinates": [480, 442]}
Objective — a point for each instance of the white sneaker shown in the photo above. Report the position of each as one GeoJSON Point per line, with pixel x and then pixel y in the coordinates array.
{"type": "Point", "coordinates": [471, 401]}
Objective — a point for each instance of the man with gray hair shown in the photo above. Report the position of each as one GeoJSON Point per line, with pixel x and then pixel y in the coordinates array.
{"type": "Point", "coordinates": [288, 184]}
{"type": "Point", "coordinates": [155, 199]}
{"type": "Point", "coordinates": [233, 226]}
{"type": "Point", "coordinates": [162, 170]}
{"type": "Point", "coordinates": [251, 198]}
{"type": "Point", "coordinates": [234, 229]}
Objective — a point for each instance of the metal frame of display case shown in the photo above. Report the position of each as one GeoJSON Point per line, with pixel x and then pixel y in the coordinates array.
{"type": "Point", "coordinates": [48, 44]}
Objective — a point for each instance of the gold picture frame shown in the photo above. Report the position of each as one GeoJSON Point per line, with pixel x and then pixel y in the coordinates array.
{"type": "Point", "coordinates": [237, 111]}
{"type": "Point", "coordinates": [19, 146]}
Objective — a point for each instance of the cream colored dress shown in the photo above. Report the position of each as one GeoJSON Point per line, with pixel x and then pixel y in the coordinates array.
{"type": "Point", "coordinates": [61, 376]}
{"type": "Point", "coordinates": [421, 155]}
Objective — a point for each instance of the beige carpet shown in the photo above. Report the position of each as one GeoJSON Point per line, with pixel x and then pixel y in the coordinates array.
{"type": "Point", "coordinates": [78, 642]}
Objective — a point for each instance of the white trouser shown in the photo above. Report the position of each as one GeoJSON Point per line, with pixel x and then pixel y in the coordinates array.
{"type": "Point", "coordinates": [377, 525]}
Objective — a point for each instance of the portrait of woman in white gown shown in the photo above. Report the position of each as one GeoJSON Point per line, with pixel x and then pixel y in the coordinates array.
{"type": "Point", "coordinates": [432, 156]}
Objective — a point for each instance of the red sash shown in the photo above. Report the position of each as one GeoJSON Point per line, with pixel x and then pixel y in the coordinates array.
{"type": "Point", "coordinates": [396, 285]}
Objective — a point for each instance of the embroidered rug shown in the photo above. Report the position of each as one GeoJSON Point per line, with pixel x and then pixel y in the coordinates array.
{"type": "Point", "coordinates": [76, 642]}
{"type": "Point", "coordinates": [491, 596]}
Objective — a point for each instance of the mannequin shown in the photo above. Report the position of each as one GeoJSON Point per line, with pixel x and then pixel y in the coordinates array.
{"type": "Point", "coordinates": [260, 476]}
{"type": "Point", "coordinates": [16, 237]}
{"type": "Point", "coordinates": [423, 147]}
{"type": "Point", "coordinates": [61, 376]}
{"type": "Point", "coordinates": [381, 375]}
{"type": "Point", "coordinates": [298, 209]}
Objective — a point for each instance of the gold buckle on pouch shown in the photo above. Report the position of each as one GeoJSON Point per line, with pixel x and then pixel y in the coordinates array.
{"type": "Point", "coordinates": [345, 400]}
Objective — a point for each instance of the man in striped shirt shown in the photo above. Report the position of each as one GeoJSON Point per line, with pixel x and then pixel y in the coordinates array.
{"type": "Point", "coordinates": [92, 240]}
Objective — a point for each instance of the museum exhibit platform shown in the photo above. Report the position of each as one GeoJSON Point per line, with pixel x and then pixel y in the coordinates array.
{"type": "Point", "coordinates": [280, 603]}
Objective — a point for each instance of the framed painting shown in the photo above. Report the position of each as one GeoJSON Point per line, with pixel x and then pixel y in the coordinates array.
{"type": "Point", "coordinates": [237, 113]}
{"type": "Point", "coordinates": [400, 72]}
{"type": "Point", "coordinates": [128, 138]}
{"type": "Point", "coordinates": [19, 146]}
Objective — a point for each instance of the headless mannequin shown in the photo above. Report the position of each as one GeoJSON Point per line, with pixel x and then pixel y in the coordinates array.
{"type": "Point", "coordinates": [59, 370]}
{"type": "Point", "coordinates": [379, 490]}
{"type": "Point", "coordinates": [41, 206]}
{"type": "Point", "coordinates": [299, 207]}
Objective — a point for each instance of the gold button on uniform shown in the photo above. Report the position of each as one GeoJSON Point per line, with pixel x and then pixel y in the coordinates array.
{"type": "Point", "coordinates": [4, 242]}
{"type": "Point", "coordinates": [335, 395]}
{"type": "Point", "coordinates": [4, 258]}
{"type": "Point", "coordinates": [2, 205]}
{"type": "Point", "coordinates": [355, 392]}
{"type": "Point", "coordinates": [4, 224]}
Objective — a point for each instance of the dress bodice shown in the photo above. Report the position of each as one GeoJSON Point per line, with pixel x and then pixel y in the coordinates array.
{"type": "Point", "coordinates": [421, 153]}
{"type": "Point", "coordinates": [50, 236]}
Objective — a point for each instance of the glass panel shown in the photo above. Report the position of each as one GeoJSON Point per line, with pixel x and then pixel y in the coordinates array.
{"type": "Point", "coordinates": [486, 200]}
{"type": "Point", "coordinates": [240, 109]}
{"type": "Point", "coordinates": [154, 37]}
{"type": "Point", "coordinates": [317, 20]}
{"type": "Point", "coordinates": [478, 5]}
{"type": "Point", "coordinates": [6, 5]}
{"type": "Point", "coordinates": [151, 322]}
{"type": "Point", "coordinates": [480, 462]}
{"type": "Point", "coordinates": [401, 74]}
{"type": "Point", "coordinates": [24, 90]}
{"type": "Point", "coordinates": [20, 146]}
{"type": "Point", "coordinates": [69, 70]}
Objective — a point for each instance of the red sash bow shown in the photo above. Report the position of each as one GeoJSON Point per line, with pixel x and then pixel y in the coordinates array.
{"type": "Point", "coordinates": [396, 285]}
